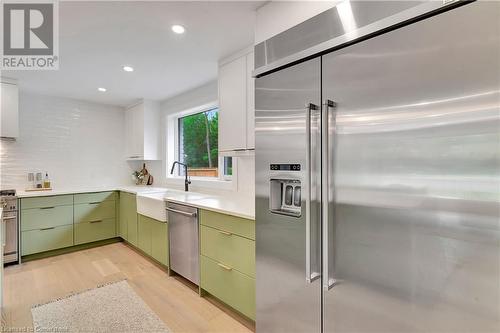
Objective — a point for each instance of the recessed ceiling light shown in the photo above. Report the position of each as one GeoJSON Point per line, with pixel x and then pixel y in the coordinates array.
{"type": "Point", "coordinates": [102, 89]}
{"type": "Point", "coordinates": [128, 69]}
{"type": "Point", "coordinates": [178, 29]}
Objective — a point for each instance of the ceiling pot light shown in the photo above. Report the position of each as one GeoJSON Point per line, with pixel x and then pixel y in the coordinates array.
{"type": "Point", "coordinates": [128, 69]}
{"type": "Point", "coordinates": [178, 29]}
{"type": "Point", "coordinates": [102, 89]}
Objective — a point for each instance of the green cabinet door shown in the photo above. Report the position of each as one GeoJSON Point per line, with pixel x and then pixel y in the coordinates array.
{"type": "Point", "coordinates": [46, 239]}
{"type": "Point", "coordinates": [159, 241]}
{"type": "Point", "coordinates": [132, 227]}
{"type": "Point", "coordinates": [152, 238]}
{"type": "Point", "coordinates": [230, 286]}
{"type": "Point", "coordinates": [86, 232]}
{"type": "Point", "coordinates": [128, 217]}
{"type": "Point", "coordinates": [144, 234]}
{"type": "Point", "coordinates": [122, 215]}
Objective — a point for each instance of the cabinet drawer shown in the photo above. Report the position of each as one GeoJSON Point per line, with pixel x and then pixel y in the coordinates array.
{"type": "Point", "coordinates": [236, 225]}
{"type": "Point", "coordinates": [230, 286]}
{"type": "Point", "coordinates": [46, 217]}
{"type": "Point", "coordinates": [94, 197]}
{"type": "Point", "coordinates": [229, 249]}
{"type": "Point", "coordinates": [41, 202]}
{"type": "Point", "coordinates": [87, 232]}
{"type": "Point", "coordinates": [35, 241]}
{"type": "Point", "coordinates": [94, 211]}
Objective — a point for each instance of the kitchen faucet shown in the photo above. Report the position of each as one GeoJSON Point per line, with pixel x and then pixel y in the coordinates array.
{"type": "Point", "coordinates": [186, 180]}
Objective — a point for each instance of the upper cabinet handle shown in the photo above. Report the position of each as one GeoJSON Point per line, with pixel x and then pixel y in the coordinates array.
{"type": "Point", "coordinates": [225, 232]}
{"type": "Point", "coordinates": [47, 207]}
{"type": "Point", "coordinates": [94, 203]}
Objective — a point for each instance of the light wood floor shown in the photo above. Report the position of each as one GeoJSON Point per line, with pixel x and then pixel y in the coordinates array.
{"type": "Point", "coordinates": [176, 303]}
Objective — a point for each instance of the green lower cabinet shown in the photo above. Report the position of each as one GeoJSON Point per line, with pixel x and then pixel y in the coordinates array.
{"type": "Point", "coordinates": [132, 230]}
{"type": "Point", "coordinates": [228, 248]}
{"type": "Point", "coordinates": [159, 242]}
{"type": "Point", "coordinates": [152, 238]}
{"type": "Point", "coordinates": [128, 218]}
{"type": "Point", "coordinates": [94, 211]}
{"type": "Point", "coordinates": [122, 214]}
{"type": "Point", "coordinates": [46, 217]}
{"type": "Point", "coordinates": [86, 232]}
{"type": "Point", "coordinates": [46, 239]}
{"type": "Point", "coordinates": [61, 221]}
{"type": "Point", "coordinates": [230, 286]}
{"type": "Point", "coordinates": [144, 234]}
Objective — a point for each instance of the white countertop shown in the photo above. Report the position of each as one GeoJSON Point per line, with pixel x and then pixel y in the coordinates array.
{"type": "Point", "coordinates": [130, 189]}
{"type": "Point", "coordinates": [226, 204]}
{"type": "Point", "coordinates": [236, 206]}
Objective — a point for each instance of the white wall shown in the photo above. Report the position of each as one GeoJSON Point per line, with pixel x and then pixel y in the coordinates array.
{"type": "Point", "coordinates": [278, 16]}
{"type": "Point", "coordinates": [205, 94]}
{"type": "Point", "coordinates": [79, 144]}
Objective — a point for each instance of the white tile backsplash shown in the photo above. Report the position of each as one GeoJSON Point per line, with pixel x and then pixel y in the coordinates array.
{"type": "Point", "coordinates": [77, 143]}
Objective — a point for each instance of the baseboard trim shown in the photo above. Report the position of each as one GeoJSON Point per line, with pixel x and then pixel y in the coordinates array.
{"type": "Point", "coordinates": [70, 249]}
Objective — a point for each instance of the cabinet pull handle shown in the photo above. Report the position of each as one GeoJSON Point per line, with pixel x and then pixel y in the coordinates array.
{"type": "Point", "coordinates": [50, 228]}
{"type": "Point", "coordinates": [47, 207]}
{"type": "Point", "coordinates": [227, 268]}
{"type": "Point", "coordinates": [225, 232]}
{"type": "Point", "coordinates": [95, 221]}
{"type": "Point", "coordinates": [94, 203]}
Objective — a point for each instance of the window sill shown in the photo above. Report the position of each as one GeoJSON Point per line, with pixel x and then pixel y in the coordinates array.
{"type": "Point", "coordinates": [203, 182]}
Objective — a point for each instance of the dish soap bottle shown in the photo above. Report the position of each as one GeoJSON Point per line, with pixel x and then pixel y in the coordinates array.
{"type": "Point", "coordinates": [46, 181]}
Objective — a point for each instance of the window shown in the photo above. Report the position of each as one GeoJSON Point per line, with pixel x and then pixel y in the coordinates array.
{"type": "Point", "coordinates": [198, 145]}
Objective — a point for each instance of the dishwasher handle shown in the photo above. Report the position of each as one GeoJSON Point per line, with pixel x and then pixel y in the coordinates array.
{"type": "Point", "coordinates": [182, 212]}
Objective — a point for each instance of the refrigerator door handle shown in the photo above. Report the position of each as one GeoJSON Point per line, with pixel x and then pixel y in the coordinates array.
{"type": "Point", "coordinates": [311, 275]}
{"type": "Point", "coordinates": [328, 123]}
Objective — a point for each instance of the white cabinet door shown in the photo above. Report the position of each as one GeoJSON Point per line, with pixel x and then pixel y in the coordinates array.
{"type": "Point", "coordinates": [142, 131]}
{"type": "Point", "coordinates": [250, 103]}
{"type": "Point", "coordinates": [233, 105]}
{"type": "Point", "coordinates": [9, 110]}
{"type": "Point", "coordinates": [132, 133]}
{"type": "Point", "coordinates": [138, 117]}
{"type": "Point", "coordinates": [151, 130]}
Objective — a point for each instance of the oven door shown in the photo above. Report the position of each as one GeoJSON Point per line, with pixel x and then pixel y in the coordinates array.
{"type": "Point", "coordinates": [10, 238]}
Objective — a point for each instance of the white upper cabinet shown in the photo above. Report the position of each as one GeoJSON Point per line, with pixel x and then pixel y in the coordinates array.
{"type": "Point", "coordinates": [142, 131]}
{"type": "Point", "coordinates": [236, 104]}
{"type": "Point", "coordinates": [250, 103]}
{"type": "Point", "coordinates": [9, 120]}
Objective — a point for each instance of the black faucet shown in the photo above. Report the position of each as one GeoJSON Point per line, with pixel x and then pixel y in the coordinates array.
{"type": "Point", "coordinates": [186, 180]}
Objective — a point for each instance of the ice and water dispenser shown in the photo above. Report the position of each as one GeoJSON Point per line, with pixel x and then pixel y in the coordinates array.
{"type": "Point", "coordinates": [285, 189]}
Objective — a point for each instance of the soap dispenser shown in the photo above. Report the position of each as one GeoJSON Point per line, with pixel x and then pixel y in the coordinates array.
{"type": "Point", "coordinates": [46, 181]}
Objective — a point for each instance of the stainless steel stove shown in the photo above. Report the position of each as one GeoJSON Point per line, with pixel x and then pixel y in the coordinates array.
{"type": "Point", "coordinates": [10, 223]}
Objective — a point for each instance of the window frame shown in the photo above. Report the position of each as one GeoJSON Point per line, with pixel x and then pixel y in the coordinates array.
{"type": "Point", "coordinates": [172, 144]}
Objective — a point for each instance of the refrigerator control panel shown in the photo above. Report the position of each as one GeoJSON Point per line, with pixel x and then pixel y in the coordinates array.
{"type": "Point", "coordinates": [285, 167]}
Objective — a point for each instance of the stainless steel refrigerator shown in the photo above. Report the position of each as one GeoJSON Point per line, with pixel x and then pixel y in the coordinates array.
{"type": "Point", "coordinates": [378, 177]}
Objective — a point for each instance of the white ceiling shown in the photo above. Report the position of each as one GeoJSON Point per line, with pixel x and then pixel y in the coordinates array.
{"type": "Point", "coordinates": [98, 38]}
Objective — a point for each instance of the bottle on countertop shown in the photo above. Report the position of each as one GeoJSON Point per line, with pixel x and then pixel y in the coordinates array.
{"type": "Point", "coordinates": [46, 181]}
{"type": "Point", "coordinates": [38, 182]}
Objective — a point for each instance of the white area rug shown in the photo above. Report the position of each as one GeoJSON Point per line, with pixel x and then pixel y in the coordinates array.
{"type": "Point", "coordinates": [110, 308]}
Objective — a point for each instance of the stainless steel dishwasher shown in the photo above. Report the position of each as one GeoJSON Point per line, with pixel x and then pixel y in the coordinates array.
{"type": "Point", "coordinates": [183, 241]}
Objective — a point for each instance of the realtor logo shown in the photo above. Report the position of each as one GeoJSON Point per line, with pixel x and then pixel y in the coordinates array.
{"type": "Point", "coordinates": [29, 32]}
